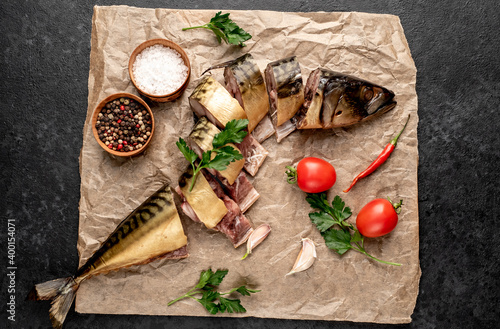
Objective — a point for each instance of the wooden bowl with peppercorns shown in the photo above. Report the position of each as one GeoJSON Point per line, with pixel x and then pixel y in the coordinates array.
{"type": "Point", "coordinates": [159, 69]}
{"type": "Point", "coordinates": [123, 124]}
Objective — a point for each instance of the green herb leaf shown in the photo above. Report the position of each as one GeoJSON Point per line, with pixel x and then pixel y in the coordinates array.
{"type": "Point", "coordinates": [208, 299]}
{"type": "Point", "coordinates": [339, 211]}
{"type": "Point", "coordinates": [230, 151]}
{"type": "Point", "coordinates": [224, 154]}
{"type": "Point", "coordinates": [322, 220]}
{"type": "Point", "coordinates": [186, 151]}
{"type": "Point", "coordinates": [210, 295]}
{"type": "Point", "coordinates": [208, 283]}
{"type": "Point", "coordinates": [233, 132]}
{"type": "Point", "coordinates": [318, 201]}
{"type": "Point", "coordinates": [225, 29]}
{"type": "Point", "coordinates": [238, 36]}
{"type": "Point", "coordinates": [338, 240]}
{"type": "Point", "coordinates": [245, 291]}
{"type": "Point", "coordinates": [219, 18]}
{"type": "Point", "coordinates": [231, 305]}
{"type": "Point", "coordinates": [217, 277]}
{"type": "Point", "coordinates": [204, 277]}
{"type": "Point", "coordinates": [220, 161]}
{"type": "Point", "coordinates": [356, 237]}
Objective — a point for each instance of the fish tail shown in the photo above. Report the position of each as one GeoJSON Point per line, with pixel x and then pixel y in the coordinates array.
{"type": "Point", "coordinates": [61, 293]}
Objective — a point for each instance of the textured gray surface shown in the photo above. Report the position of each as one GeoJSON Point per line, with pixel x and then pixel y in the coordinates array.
{"type": "Point", "coordinates": [45, 48]}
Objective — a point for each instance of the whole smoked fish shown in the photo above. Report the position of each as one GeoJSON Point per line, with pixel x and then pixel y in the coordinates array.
{"type": "Point", "coordinates": [153, 230]}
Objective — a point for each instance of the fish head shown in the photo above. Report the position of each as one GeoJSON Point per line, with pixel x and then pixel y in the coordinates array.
{"type": "Point", "coordinates": [377, 99]}
{"type": "Point", "coordinates": [361, 100]}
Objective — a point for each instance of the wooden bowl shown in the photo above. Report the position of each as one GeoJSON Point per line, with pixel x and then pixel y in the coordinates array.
{"type": "Point", "coordinates": [160, 98]}
{"type": "Point", "coordinates": [103, 104]}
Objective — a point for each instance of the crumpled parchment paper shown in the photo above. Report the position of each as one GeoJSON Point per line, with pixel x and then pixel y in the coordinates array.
{"type": "Point", "coordinates": [349, 287]}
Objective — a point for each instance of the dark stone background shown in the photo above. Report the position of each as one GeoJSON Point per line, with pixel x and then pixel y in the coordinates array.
{"type": "Point", "coordinates": [45, 47]}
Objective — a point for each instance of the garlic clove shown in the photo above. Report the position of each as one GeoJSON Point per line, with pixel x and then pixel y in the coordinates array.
{"type": "Point", "coordinates": [257, 236]}
{"type": "Point", "coordinates": [306, 257]}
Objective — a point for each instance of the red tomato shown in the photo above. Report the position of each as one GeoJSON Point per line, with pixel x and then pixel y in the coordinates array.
{"type": "Point", "coordinates": [315, 175]}
{"type": "Point", "coordinates": [377, 218]}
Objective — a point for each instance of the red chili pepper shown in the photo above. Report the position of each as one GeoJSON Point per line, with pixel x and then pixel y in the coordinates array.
{"type": "Point", "coordinates": [380, 159]}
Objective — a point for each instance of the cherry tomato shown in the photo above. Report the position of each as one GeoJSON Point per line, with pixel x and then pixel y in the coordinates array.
{"type": "Point", "coordinates": [377, 218]}
{"type": "Point", "coordinates": [315, 175]}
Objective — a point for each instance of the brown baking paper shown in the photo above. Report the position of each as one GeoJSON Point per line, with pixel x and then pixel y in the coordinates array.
{"type": "Point", "coordinates": [350, 287]}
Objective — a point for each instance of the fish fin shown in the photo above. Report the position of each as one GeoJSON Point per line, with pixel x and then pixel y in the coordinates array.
{"type": "Point", "coordinates": [219, 66]}
{"type": "Point", "coordinates": [61, 293]}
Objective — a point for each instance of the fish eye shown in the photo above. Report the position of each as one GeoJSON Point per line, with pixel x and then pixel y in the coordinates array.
{"type": "Point", "coordinates": [367, 93]}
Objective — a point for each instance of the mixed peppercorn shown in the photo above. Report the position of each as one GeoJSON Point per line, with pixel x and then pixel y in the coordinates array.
{"type": "Point", "coordinates": [124, 125]}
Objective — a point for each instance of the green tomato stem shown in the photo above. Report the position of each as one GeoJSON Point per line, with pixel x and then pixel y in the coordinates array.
{"type": "Point", "coordinates": [397, 206]}
{"type": "Point", "coordinates": [291, 174]}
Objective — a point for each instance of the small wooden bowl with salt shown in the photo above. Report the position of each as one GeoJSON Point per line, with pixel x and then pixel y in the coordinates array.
{"type": "Point", "coordinates": [159, 70]}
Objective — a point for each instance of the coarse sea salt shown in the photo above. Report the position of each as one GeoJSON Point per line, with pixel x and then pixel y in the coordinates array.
{"type": "Point", "coordinates": [159, 70]}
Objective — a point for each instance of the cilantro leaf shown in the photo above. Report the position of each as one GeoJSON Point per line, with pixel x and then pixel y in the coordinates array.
{"type": "Point", "coordinates": [245, 291]}
{"type": "Point", "coordinates": [220, 161]}
{"type": "Point", "coordinates": [339, 211]}
{"type": "Point", "coordinates": [322, 220]}
{"type": "Point", "coordinates": [318, 201]}
{"type": "Point", "coordinates": [186, 151]}
{"type": "Point", "coordinates": [207, 300]}
{"type": "Point", "coordinates": [217, 277]}
{"type": "Point", "coordinates": [238, 36]}
{"type": "Point", "coordinates": [219, 18]}
{"type": "Point", "coordinates": [207, 285]}
{"type": "Point", "coordinates": [204, 277]}
{"type": "Point", "coordinates": [230, 151]}
{"type": "Point", "coordinates": [225, 29]}
{"type": "Point", "coordinates": [231, 305]}
{"type": "Point", "coordinates": [338, 240]}
{"type": "Point", "coordinates": [356, 237]}
{"type": "Point", "coordinates": [233, 133]}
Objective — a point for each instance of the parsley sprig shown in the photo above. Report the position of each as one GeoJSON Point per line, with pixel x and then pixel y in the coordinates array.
{"type": "Point", "coordinates": [225, 29]}
{"type": "Point", "coordinates": [207, 285]}
{"type": "Point", "coordinates": [346, 236]}
{"type": "Point", "coordinates": [221, 154]}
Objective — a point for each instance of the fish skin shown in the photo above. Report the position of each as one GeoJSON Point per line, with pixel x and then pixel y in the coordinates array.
{"type": "Point", "coordinates": [285, 75]}
{"type": "Point", "coordinates": [244, 80]}
{"type": "Point", "coordinates": [340, 100]}
{"type": "Point", "coordinates": [153, 230]}
{"type": "Point", "coordinates": [211, 99]}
